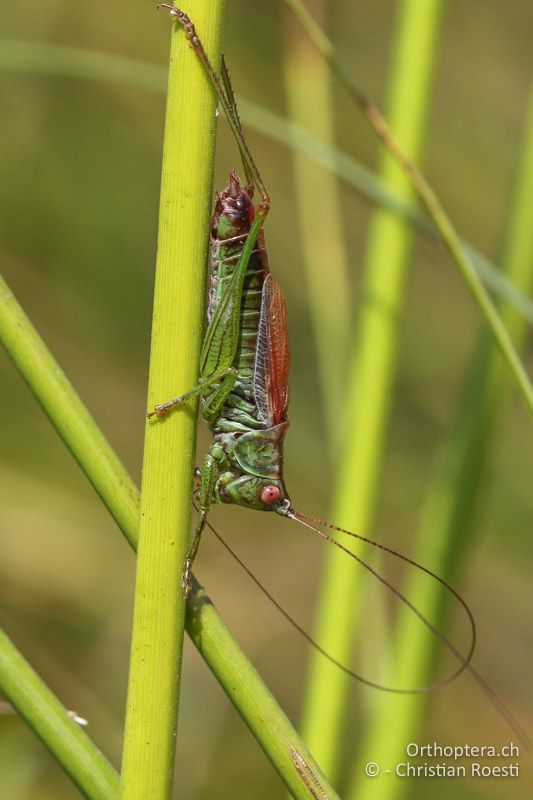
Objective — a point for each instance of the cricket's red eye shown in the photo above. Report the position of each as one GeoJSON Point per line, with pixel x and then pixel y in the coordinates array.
{"type": "Point", "coordinates": [270, 494]}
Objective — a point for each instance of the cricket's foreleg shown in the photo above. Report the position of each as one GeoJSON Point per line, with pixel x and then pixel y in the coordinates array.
{"type": "Point", "coordinates": [208, 476]}
{"type": "Point", "coordinates": [219, 384]}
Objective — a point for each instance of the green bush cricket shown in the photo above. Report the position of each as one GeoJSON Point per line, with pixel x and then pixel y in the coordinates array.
{"type": "Point", "coordinates": [245, 356]}
{"type": "Point", "coordinates": [243, 384]}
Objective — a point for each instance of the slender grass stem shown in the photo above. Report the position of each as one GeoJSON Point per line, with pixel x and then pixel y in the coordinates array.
{"type": "Point", "coordinates": [68, 743]}
{"type": "Point", "coordinates": [446, 525]}
{"type": "Point", "coordinates": [269, 725]}
{"type": "Point", "coordinates": [18, 681]}
{"type": "Point", "coordinates": [66, 411]}
{"type": "Point", "coordinates": [169, 454]}
{"type": "Point", "coordinates": [429, 199]}
{"type": "Point", "coordinates": [371, 376]}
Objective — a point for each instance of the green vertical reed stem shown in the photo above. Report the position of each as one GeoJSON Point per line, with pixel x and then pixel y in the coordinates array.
{"type": "Point", "coordinates": [447, 519]}
{"type": "Point", "coordinates": [319, 210]}
{"type": "Point", "coordinates": [159, 612]}
{"type": "Point", "coordinates": [371, 374]}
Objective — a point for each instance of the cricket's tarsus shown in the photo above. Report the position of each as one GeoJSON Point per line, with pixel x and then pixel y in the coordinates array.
{"type": "Point", "coordinates": [243, 384]}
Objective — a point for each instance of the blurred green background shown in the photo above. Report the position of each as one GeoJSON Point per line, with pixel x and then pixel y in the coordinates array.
{"type": "Point", "coordinates": [79, 182]}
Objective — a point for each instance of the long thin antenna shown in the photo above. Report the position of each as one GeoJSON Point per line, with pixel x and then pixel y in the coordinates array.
{"type": "Point", "coordinates": [498, 704]}
{"type": "Point", "coordinates": [332, 659]}
{"type": "Point", "coordinates": [305, 519]}
{"type": "Point", "coordinates": [465, 660]}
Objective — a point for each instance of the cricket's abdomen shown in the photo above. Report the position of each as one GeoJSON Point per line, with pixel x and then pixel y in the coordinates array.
{"type": "Point", "coordinates": [234, 213]}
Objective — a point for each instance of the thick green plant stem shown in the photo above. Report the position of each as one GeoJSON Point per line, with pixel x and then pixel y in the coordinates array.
{"type": "Point", "coordinates": [68, 743]}
{"type": "Point", "coordinates": [65, 410]}
{"type": "Point", "coordinates": [429, 199]}
{"type": "Point", "coordinates": [169, 452]}
{"type": "Point", "coordinates": [371, 378]}
{"type": "Point", "coordinates": [446, 525]}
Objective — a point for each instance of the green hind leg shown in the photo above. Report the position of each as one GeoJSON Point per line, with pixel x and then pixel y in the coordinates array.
{"type": "Point", "coordinates": [209, 475]}
{"type": "Point", "coordinates": [186, 583]}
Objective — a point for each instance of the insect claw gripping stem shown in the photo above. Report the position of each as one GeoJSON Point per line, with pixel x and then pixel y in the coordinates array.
{"type": "Point", "coordinates": [186, 583]}
{"type": "Point", "coordinates": [184, 19]}
{"type": "Point", "coordinates": [164, 408]}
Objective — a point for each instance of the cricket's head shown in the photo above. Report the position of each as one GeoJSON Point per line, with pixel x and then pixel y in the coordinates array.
{"type": "Point", "coordinates": [234, 210]}
{"type": "Point", "coordinates": [256, 480]}
{"type": "Point", "coordinates": [251, 491]}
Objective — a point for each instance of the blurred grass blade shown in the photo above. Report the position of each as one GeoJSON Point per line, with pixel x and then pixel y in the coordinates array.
{"type": "Point", "coordinates": [79, 62]}
{"type": "Point", "coordinates": [371, 376]}
{"type": "Point", "coordinates": [310, 106]}
{"type": "Point", "coordinates": [76, 62]}
{"type": "Point", "coordinates": [170, 446]}
{"type": "Point", "coordinates": [68, 743]}
{"type": "Point", "coordinates": [373, 187]}
{"type": "Point", "coordinates": [428, 198]}
{"type": "Point", "coordinates": [446, 528]}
